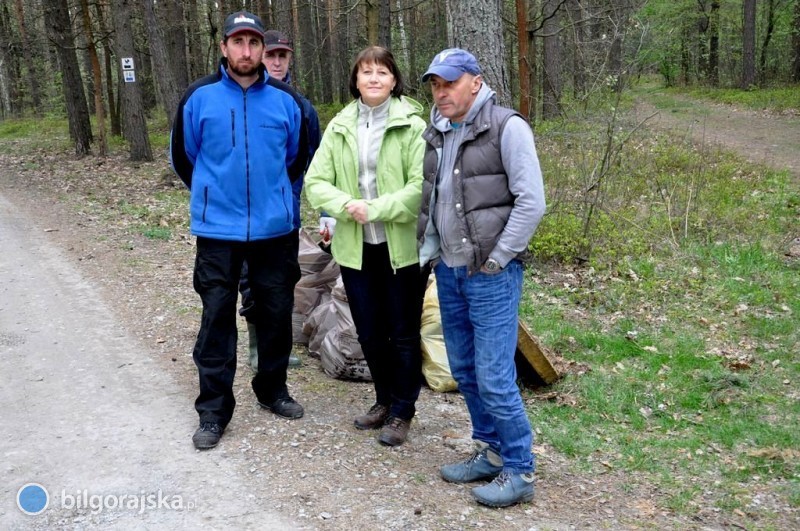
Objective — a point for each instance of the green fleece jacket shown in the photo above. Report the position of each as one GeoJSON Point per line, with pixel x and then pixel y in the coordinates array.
{"type": "Point", "coordinates": [332, 180]}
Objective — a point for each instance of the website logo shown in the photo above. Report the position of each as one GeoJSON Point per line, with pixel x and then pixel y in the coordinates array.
{"type": "Point", "coordinates": [32, 499]}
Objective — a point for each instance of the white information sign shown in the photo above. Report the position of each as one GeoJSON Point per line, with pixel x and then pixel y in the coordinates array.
{"type": "Point", "coordinates": [129, 76]}
{"type": "Point", "coordinates": [127, 63]}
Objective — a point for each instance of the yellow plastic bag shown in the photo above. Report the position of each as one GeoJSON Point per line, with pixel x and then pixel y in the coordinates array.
{"type": "Point", "coordinates": [435, 367]}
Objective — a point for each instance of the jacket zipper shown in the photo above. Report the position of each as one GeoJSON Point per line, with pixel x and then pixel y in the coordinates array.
{"type": "Point", "coordinates": [233, 128]}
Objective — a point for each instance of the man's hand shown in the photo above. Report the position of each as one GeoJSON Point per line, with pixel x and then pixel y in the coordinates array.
{"type": "Point", "coordinates": [326, 228]}
{"type": "Point", "coordinates": [358, 210]}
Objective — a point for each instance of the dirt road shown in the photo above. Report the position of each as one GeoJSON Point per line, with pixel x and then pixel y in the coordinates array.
{"type": "Point", "coordinates": [770, 139]}
{"type": "Point", "coordinates": [88, 412]}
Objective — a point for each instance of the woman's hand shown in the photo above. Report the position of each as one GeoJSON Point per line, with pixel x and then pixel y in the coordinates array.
{"type": "Point", "coordinates": [357, 209]}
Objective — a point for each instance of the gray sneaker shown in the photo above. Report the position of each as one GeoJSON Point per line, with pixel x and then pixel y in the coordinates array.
{"type": "Point", "coordinates": [484, 463]}
{"type": "Point", "coordinates": [506, 489]}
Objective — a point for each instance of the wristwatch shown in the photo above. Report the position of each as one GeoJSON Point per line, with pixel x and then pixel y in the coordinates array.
{"type": "Point", "coordinates": [492, 265]}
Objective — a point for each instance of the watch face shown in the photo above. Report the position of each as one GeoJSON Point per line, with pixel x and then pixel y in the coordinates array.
{"type": "Point", "coordinates": [492, 265]}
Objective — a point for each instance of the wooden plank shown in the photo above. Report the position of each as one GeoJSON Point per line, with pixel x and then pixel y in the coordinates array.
{"type": "Point", "coordinates": [535, 355]}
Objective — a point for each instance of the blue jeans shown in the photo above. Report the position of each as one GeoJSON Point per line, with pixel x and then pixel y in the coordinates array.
{"type": "Point", "coordinates": [479, 321]}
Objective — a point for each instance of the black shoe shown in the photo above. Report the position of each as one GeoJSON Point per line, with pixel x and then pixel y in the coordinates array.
{"type": "Point", "coordinates": [207, 435]}
{"type": "Point", "coordinates": [284, 407]}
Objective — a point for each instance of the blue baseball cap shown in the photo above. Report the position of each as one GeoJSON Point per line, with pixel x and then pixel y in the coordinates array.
{"type": "Point", "coordinates": [451, 64]}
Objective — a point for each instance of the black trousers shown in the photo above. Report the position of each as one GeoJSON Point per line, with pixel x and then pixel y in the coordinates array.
{"type": "Point", "coordinates": [273, 272]}
{"type": "Point", "coordinates": [248, 307]}
{"type": "Point", "coordinates": [386, 305]}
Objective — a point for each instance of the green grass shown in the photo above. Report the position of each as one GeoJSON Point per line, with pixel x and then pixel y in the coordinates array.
{"type": "Point", "coordinates": [682, 310]}
{"type": "Point", "coordinates": [777, 99]}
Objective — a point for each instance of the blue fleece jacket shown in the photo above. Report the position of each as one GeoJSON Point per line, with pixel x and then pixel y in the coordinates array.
{"type": "Point", "coordinates": [239, 151]}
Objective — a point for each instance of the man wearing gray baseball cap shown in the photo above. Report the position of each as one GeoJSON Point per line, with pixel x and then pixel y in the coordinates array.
{"type": "Point", "coordinates": [482, 199]}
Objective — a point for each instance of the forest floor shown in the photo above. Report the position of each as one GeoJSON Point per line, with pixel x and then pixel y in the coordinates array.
{"type": "Point", "coordinates": [319, 472]}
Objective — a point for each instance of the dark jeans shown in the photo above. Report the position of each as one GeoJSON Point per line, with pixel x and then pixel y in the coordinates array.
{"type": "Point", "coordinates": [273, 272]}
{"type": "Point", "coordinates": [386, 305]}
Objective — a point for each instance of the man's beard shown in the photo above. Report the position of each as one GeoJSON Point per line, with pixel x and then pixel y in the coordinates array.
{"type": "Point", "coordinates": [244, 69]}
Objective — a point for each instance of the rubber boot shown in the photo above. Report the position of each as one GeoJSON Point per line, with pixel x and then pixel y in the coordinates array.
{"type": "Point", "coordinates": [252, 345]}
{"type": "Point", "coordinates": [294, 359]}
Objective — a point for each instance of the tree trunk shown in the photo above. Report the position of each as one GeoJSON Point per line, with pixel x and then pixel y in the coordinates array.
{"type": "Point", "coordinates": [33, 58]}
{"type": "Point", "coordinates": [9, 82]}
{"type": "Point", "coordinates": [166, 81]}
{"type": "Point", "coordinates": [477, 26]}
{"type": "Point", "coordinates": [796, 43]}
{"type": "Point", "coordinates": [174, 37]}
{"type": "Point", "coordinates": [702, 41]}
{"type": "Point", "coordinates": [60, 30]}
{"type": "Point", "coordinates": [195, 65]}
{"type": "Point", "coordinates": [97, 78]}
{"type": "Point", "coordinates": [385, 25]}
{"type": "Point", "coordinates": [551, 58]}
{"type": "Point", "coordinates": [524, 71]}
{"type": "Point", "coordinates": [578, 25]}
{"type": "Point", "coordinates": [749, 44]}
{"type": "Point", "coordinates": [764, 70]}
{"type": "Point", "coordinates": [372, 15]}
{"type": "Point", "coordinates": [713, 44]}
{"type": "Point", "coordinates": [533, 52]}
{"type": "Point", "coordinates": [134, 124]}
{"type": "Point", "coordinates": [108, 59]}
{"type": "Point", "coordinates": [334, 79]}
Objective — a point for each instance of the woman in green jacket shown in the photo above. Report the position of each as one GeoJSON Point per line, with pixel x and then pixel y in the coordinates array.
{"type": "Point", "coordinates": [367, 176]}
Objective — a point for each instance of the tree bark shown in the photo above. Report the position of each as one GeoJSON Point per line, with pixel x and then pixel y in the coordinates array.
{"type": "Point", "coordinates": [134, 124]}
{"type": "Point", "coordinates": [713, 44]}
{"type": "Point", "coordinates": [167, 80]}
{"type": "Point", "coordinates": [60, 31]}
{"type": "Point", "coordinates": [385, 24]}
{"type": "Point", "coordinates": [195, 65]}
{"type": "Point", "coordinates": [171, 19]}
{"type": "Point", "coordinates": [108, 59]}
{"type": "Point", "coordinates": [749, 44]}
{"type": "Point", "coordinates": [9, 66]}
{"type": "Point", "coordinates": [551, 59]}
{"type": "Point", "coordinates": [524, 71]}
{"type": "Point", "coordinates": [32, 53]}
{"type": "Point", "coordinates": [767, 38]}
{"type": "Point", "coordinates": [796, 43]}
{"type": "Point", "coordinates": [372, 15]}
{"type": "Point", "coordinates": [97, 78]}
{"type": "Point", "coordinates": [477, 26]}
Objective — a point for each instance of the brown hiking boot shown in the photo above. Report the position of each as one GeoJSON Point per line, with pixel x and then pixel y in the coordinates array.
{"type": "Point", "coordinates": [374, 418]}
{"type": "Point", "coordinates": [394, 432]}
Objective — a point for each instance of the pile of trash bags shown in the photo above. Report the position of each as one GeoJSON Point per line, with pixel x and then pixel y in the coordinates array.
{"type": "Point", "coordinates": [322, 321]}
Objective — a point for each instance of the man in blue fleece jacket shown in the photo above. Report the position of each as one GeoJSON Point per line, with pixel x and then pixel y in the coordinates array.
{"type": "Point", "coordinates": [238, 142]}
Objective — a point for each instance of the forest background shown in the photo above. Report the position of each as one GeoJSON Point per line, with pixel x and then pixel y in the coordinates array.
{"type": "Point", "coordinates": [665, 278]}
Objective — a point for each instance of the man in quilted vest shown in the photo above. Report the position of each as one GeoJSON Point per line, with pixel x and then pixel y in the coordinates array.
{"type": "Point", "coordinates": [482, 200]}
